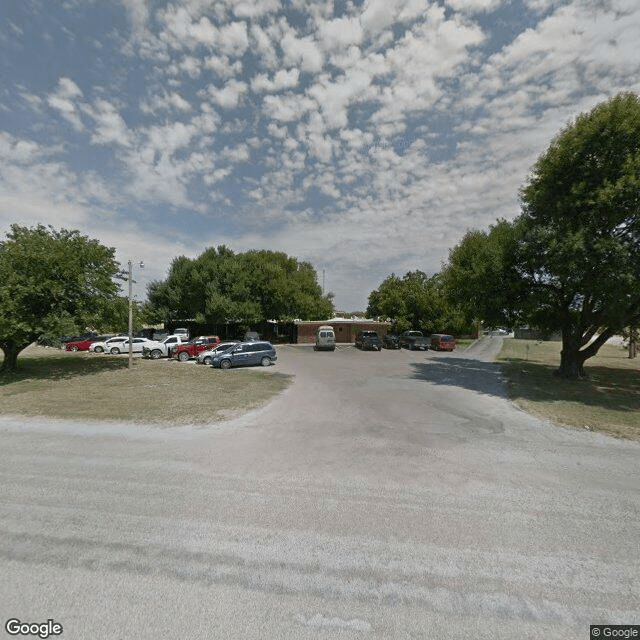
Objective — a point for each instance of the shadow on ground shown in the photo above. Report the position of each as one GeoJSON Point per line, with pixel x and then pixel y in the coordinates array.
{"type": "Point", "coordinates": [606, 387]}
{"type": "Point", "coordinates": [60, 367]}
{"type": "Point", "coordinates": [466, 373]}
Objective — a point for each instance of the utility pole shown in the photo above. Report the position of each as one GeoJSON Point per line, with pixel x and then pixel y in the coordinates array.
{"type": "Point", "coordinates": [141, 265]}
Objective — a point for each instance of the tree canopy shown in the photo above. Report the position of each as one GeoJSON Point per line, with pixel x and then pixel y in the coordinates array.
{"type": "Point", "coordinates": [220, 286]}
{"type": "Point", "coordinates": [50, 283]}
{"type": "Point", "coordinates": [417, 301]}
{"type": "Point", "coordinates": [571, 261]}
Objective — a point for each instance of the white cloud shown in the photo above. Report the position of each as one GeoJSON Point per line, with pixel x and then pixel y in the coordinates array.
{"type": "Point", "coordinates": [254, 9]}
{"type": "Point", "coordinates": [288, 107]}
{"type": "Point", "coordinates": [110, 127]}
{"type": "Point", "coordinates": [229, 96]}
{"type": "Point", "coordinates": [474, 6]}
{"type": "Point", "coordinates": [17, 150]}
{"type": "Point", "coordinates": [138, 13]}
{"type": "Point", "coordinates": [63, 101]}
{"type": "Point", "coordinates": [222, 66]}
{"type": "Point", "coordinates": [378, 15]}
{"type": "Point", "coordinates": [172, 101]}
{"type": "Point", "coordinates": [340, 33]}
{"type": "Point", "coordinates": [302, 52]}
{"type": "Point", "coordinates": [264, 46]}
{"type": "Point", "coordinates": [334, 98]}
{"type": "Point", "coordinates": [283, 79]}
{"type": "Point", "coordinates": [234, 39]}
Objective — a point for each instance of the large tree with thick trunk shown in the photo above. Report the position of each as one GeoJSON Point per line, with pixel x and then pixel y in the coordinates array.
{"type": "Point", "coordinates": [571, 261]}
{"type": "Point", "coordinates": [50, 282]}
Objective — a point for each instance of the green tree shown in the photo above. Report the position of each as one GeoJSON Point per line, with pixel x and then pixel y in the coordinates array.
{"type": "Point", "coordinates": [571, 261]}
{"type": "Point", "coordinates": [220, 286]}
{"type": "Point", "coordinates": [417, 301]}
{"type": "Point", "coordinates": [112, 315]}
{"type": "Point", "coordinates": [50, 282]}
{"type": "Point", "coordinates": [581, 209]}
{"type": "Point", "coordinates": [480, 277]}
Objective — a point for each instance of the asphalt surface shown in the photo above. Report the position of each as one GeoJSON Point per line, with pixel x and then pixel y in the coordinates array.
{"type": "Point", "coordinates": [383, 495]}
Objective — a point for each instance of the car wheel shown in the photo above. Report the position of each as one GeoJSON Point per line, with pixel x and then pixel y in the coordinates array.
{"type": "Point", "coordinates": [183, 356]}
{"type": "Point", "coordinates": [156, 353]}
{"type": "Point", "coordinates": [265, 362]}
{"type": "Point", "coordinates": [74, 348]}
{"type": "Point", "coordinates": [115, 351]}
{"type": "Point", "coordinates": [98, 349]}
{"type": "Point", "coordinates": [206, 360]}
{"type": "Point", "coordinates": [225, 364]}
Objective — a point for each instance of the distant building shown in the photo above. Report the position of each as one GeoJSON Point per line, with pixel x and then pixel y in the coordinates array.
{"type": "Point", "coordinates": [344, 328]}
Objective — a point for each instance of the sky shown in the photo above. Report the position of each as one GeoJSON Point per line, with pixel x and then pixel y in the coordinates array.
{"type": "Point", "coordinates": [363, 136]}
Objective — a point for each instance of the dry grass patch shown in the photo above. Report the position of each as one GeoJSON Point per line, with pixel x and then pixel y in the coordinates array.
{"type": "Point", "coordinates": [608, 401]}
{"type": "Point", "coordinates": [84, 386]}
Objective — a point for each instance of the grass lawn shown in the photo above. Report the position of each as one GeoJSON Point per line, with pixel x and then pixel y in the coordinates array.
{"type": "Point", "coordinates": [608, 401]}
{"type": "Point", "coordinates": [83, 386]}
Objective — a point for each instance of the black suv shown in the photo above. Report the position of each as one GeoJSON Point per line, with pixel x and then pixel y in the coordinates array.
{"type": "Point", "coordinates": [391, 341]}
{"type": "Point", "coordinates": [368, 340]}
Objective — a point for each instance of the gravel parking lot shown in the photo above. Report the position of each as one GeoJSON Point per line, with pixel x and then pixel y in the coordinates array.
{"type": "Point", "coordinates": [387, 494]}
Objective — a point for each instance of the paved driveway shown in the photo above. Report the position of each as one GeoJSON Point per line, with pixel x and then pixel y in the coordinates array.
{"type": "Point", "coordinates": [384, 495]}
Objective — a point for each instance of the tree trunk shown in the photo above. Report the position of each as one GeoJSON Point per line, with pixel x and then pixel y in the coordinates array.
{"type": "Point", "coordinates": [11, 351]}
{"type": "Point", "coordinates": [571, 359]}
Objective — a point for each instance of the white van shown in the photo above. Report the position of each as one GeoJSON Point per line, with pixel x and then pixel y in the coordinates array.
{"type": "Point", "coordinates": [325, 338]}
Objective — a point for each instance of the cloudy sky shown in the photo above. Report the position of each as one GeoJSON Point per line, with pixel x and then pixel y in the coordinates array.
{"type": "Point", "coordinates": [365, 136]}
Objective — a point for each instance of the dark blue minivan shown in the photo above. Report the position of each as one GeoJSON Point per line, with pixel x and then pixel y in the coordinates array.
{"type": "Point", "coordinates": [245, 354]}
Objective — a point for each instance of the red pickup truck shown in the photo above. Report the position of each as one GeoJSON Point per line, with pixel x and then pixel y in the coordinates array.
{"type": "Point", "coordinates": [191, 349]}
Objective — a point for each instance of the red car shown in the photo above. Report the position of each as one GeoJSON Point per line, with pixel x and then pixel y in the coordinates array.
{"type": "Point", "coordinates": [80, 345]}
{"type": "Point", "coordinates": [191, 349]}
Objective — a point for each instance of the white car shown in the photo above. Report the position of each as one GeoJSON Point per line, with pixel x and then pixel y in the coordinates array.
{"type": "Point", "coordinates": [107, 345]}
{"type": "Point", "coordinates": [205, 357]}
{"type": "Point", "coordinates": [137, 344]}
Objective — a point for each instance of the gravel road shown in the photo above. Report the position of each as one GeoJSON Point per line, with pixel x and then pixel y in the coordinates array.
{"type": "Point", "coordinates": [383, 495]}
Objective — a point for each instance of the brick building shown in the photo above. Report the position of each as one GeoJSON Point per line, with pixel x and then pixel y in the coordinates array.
{"type": "Point", "coordinates": [344, 328]}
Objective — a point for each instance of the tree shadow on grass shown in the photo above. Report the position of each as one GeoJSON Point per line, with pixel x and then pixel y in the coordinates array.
{"type": "Point", "coordinates": [606, 387]}
{"type": "Point", "coordinates": [60, 367]}
{"type": "Point", "coordinates": [466, 373]}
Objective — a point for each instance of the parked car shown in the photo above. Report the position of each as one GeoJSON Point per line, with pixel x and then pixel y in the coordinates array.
{"type": "Point", "coordinates": [106, 345]}
{"type": "Point", "coordinates": [325, 338]}
{"type": "Point", "coordinates": [83, 345]}
{"type": "Point", "coordinates": [246, 354]}
{"type": "Point", "coordinates": [414, 340]}
{"type": "Point", "coordinates": [182, 332]}
{"type": "Point", "coordinates": [205, 357]}
{"type": "Point", "coordinates": [391, 341]}
{"type": "Point", "coordinates": [368, 340]}
{"type": "Point", "coordinates": [137, 345]}
{"type": "Point", "coordinates": [190, 350]}
{"type": "Point", "coordinates": [155, 349]}
{"type": "Point", "coordinates": [251, 335]}
{"type": "Point", "coordinates": [442, 342]}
